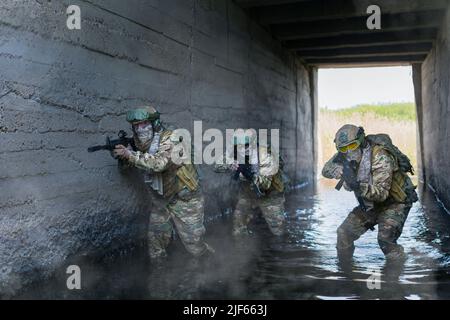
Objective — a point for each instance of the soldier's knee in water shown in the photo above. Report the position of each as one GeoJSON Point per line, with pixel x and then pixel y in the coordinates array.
{"type": "Point", "coordinates": [387, 233]}
{"type": "Point", "coordinates": [384, 244]}
{"type": "Point", "coordinates": [387, 240]}
{"type": "Point", "coordinates": [341, 232]}
{"type": "Point", "coordinates": [344, 239]}
{"type": "Point", "coordinates": [341, 237]}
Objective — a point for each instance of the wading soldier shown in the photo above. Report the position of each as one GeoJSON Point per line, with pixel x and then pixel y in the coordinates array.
{"type": "Point", "coordinates": [261, 185]}
{"type": "Point", "coordinates": [177, 198]}
{"type": "Point", "coordinates": [376, 171]}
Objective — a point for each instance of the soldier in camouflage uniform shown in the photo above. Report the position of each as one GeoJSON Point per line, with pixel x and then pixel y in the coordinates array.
{"type": "Point", "coordinates": [385, 189]}
{"type": "Point", "coordinates": [267, 178]}
{"type": "Point", "coordinates": [177, 198]}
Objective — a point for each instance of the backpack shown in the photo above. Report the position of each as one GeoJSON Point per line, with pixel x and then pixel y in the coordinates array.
{"type": "Point", "coordinates": [385, 141]}
{"type": "Point", "coordinates": [402, 189]}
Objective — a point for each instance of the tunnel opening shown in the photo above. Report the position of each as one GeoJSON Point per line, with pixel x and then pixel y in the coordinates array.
{"type": "Point", "coordinates": [390, 102]}
{"type": "Point", "coordinates": [379, 99]}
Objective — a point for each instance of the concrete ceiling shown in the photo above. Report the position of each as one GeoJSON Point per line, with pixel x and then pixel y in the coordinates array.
{"type": "Point", "coordinates": [333, 32]}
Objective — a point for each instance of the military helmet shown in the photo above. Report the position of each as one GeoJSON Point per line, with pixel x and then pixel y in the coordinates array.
{"type": "Point", "coordinates": [349, 137]}
{"type": "Point", "coordinates": [146, 113]}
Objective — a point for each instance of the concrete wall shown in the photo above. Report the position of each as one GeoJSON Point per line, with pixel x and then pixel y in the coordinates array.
{"type": "Point", "coordinates": [63, 90]}
{"type": "Point", "coordinates": [436, 114]}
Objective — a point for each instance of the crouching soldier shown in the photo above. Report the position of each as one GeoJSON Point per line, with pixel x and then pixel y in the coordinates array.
{"type": "Point", "coordinates": [177, 198]}
{"type": "Point", "coordinates": [376, 171]}
{"type": "Point", "coordinates": [261, 184]}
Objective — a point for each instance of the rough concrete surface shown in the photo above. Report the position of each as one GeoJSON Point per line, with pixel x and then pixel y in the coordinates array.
{"type": "Point", "coordinates": [436, 114]}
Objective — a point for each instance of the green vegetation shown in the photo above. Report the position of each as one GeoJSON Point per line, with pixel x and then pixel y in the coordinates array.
{"type": "Point", "coordinates": [391, 111]}
{"type": "Point", "coordinates": [395, 119]}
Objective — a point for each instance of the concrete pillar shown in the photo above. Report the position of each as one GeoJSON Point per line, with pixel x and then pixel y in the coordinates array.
{"type": "Point", "coordinates": [417, 81]}
{"type": "Point", "coordinates": [435, 91]}
{"type": "Point", "coordinates": [313, 80]}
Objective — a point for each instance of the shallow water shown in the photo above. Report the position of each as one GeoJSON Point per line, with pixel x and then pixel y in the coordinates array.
{"type": "Point", "coordinates": [301, 265]}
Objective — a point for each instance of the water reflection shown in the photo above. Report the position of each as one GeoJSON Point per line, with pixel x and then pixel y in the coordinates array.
{"type": "Point", "coordinates": [304, 265]}
{"type": "Point", "coordinates": [301, 265]}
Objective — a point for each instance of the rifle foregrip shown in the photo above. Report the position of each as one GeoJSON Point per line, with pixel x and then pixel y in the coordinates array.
{"type": "Point", "coordinates": [339, 184]}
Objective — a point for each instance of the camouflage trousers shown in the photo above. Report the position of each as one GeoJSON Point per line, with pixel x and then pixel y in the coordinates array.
{"type": "Point", "coordinates": [185, 214]}
{"type": "Point", "coordinates": [271, 206]}
{"type": "Point", "coordinates": [390, 219]}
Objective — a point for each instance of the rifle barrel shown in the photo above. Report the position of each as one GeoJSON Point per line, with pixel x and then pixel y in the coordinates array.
{"type": "Point", "coordinates": [97, 148]}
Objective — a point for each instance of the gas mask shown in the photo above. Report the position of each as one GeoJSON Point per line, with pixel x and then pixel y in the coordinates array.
{"type": "Point", "coordinates": [355, 155]}
{"type": "Point", "coordinates": [144, 132]}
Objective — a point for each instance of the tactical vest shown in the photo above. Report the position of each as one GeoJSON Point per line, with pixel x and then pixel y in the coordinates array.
{"type": "Point", "coordinates": [402, 189]}
{"type": "Point", "coordinates": [277, 182]}
{"type": "Point", "coordinates": [177, 177]}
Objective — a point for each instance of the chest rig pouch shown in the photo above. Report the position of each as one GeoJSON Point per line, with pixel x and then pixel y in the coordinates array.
{"type": "Point", "coordinates": [175, 180]}
{"type": "Point", "coordinates": [402, 189]}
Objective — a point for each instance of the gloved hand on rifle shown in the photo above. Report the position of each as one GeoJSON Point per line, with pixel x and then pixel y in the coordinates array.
{"type": "Point", "coordinates": [122, 152]}
{"type": "Point", "coordinates": [350, 177]}
{"type": "Point", "coordinates": [234, 166]}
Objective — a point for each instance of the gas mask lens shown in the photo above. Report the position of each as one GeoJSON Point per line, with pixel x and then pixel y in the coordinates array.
{"type": "Point", "coordinates": [350, 147]}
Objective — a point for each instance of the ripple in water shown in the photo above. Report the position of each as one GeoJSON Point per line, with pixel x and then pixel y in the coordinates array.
{"type": "Point", "coordinates": [301, 265]}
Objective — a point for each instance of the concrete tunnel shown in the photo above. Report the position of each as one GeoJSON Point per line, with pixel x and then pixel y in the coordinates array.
{"type": "Point", "coordinates": [231, 64]}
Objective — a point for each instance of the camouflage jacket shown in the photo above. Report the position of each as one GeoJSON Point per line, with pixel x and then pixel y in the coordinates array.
{"type": "Point", "coordinates": [383, 167]}
{"type": "Point", "coordinates": [174, 176]}
{"type": "Point", "coordinates": [157, 162]}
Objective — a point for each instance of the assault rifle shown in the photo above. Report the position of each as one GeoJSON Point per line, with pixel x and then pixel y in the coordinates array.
{"type": "Point", "coordinates": [111, 144]}
{"type": "Point", "coordinates": [246, 170]}
{"type": "Point", "coordinates": [349, 176]}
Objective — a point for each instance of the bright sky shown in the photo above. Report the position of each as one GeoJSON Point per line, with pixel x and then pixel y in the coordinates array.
{"type": "Point", "coordinates": [346, 87]}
